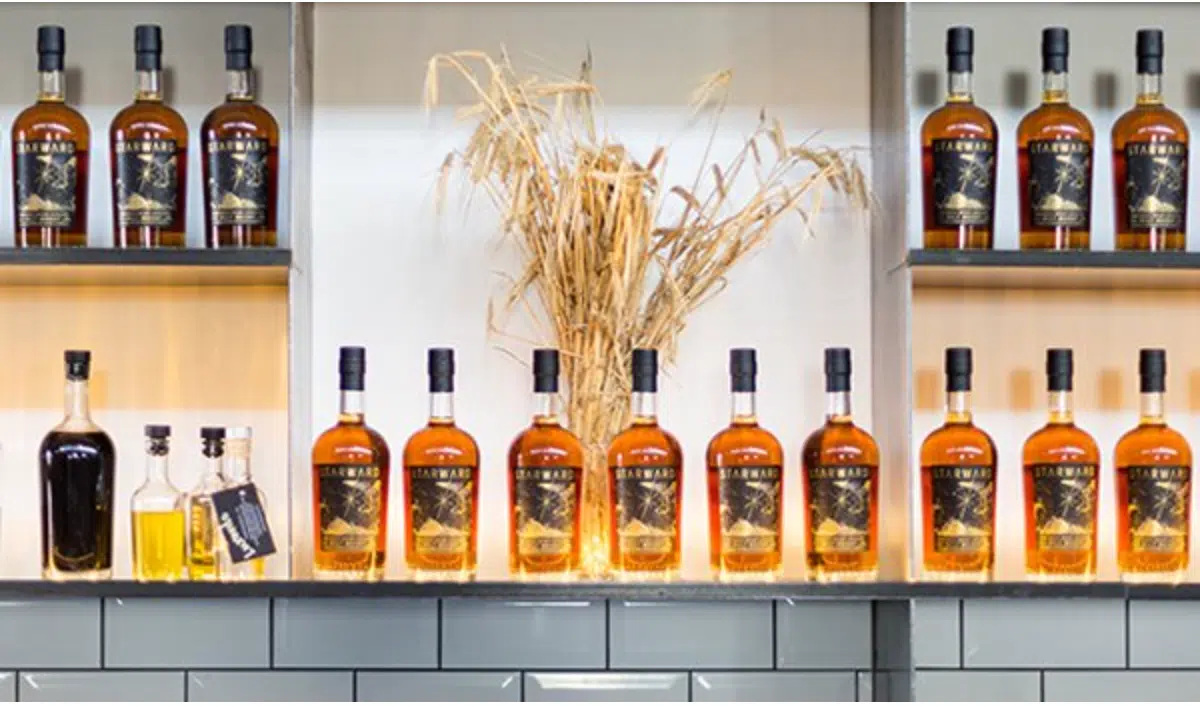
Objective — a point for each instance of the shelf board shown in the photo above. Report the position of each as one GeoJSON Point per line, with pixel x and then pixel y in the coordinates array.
{"type": "Point", "coordinates": [165, 267]}
{"type": "Point", "coordinates": [1042, 269]}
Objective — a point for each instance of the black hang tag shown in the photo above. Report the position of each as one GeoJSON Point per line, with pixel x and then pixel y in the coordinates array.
{"type": "Point", "coordinates": [243, 523]}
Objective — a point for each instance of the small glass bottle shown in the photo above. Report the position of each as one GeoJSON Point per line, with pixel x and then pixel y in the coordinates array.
{"type": "Point", "coordinates": [204, 545]}
{"type": "Point", "coordinates": [237, 473]}
{"type": "Point", "coordinates": [158, 519]}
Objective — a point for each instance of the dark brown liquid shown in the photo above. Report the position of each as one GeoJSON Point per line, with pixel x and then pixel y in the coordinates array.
{"type": "Point", "coordinates": [77, 502]}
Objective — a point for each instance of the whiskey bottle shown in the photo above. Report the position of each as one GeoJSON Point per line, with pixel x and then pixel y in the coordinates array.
{"type": "Point", "coordinates": [841, 487]}
{"type": "Point", "coordinates": [745, 486]}
{"type": "Point", "coordinates": [204, 545]}
{"type": "Point", "coordinates": [237, 470]}
{"type": "Point", "coordinates": [350, 486]}
{"type": "Point", "coordinates": [50, 148]}
{"type": "Point", "coordinates": [1054, 153]}
{"type": "Point", "coordinates": [1061, 469]}
{"type": "Point", "coordinates": [441, 486]}
{"type": "Point", "coordinates": [545, 479]}
{"type": "Point", "coordinates": [149, 158]}
{"type": "Point", "coordinates": [958, 158]}
{"type": "Point", "coordinates": [77, 462]}
{"type": "Point", "coordinates": [240, 145]}
{"type": "Point", "coordinates": [1150, 161]}
{"type": "Point", "coordinates": [159, 532]}
{"type": "Point", "coordinates": [1154, 487]}
{"type": "Point", "coordinates": [958, 486]}
{"type": "Point", "coordinates": [645, 486]}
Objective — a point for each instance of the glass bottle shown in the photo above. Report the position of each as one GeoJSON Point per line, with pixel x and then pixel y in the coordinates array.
{"type": "Point", "coordinates": [237, 472]}
{"type": "Point", "coordinates": [78, 463]}
{"type": "Point", "coordinates": [1061, 469]}
{"type": "Point", "coordinates": [745, 486]}
{"type": "Point", "coordinates": [1054, 153]}
{"type": "Point", "coordinates": [441, 486]}
{"type": "Point", "coordinates": [204, 545]}
{"type": "Point", "coordinates": [645, 486]}
{"type": "Point", "coordinates": [50, 148]}
{"type": "Point", "coordinates": [1154, 487]}
{"type": "Point", "coordinates": [958, 158]}
{"type": "Point", "coordinates": [841, 487]}
{"type": "Point", "coordinates": [159, 527]}
{"type": "Point", "coordinates": [149, 158]}
{"type": "Point", "coordinates": [958, 486]}
{"type": "Point", "coordinates": [240, 145]}
{"type": "Point", "coordinates": [350, 486]}
{"type": "Point", "coordinates": [1150, 161]}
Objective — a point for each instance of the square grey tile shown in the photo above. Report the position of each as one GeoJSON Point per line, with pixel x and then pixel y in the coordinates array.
{"type": "Point", "coordinates": [891, 685]}
{"type": "Point", "coordinates": [8, 686]}
{"type": "Point", "coordinates": [1043, 633]}
{"type": "Point", "coordinates": [101, 686]}
{"type": "Point", "coordinates": [606, 686]}
{"type": "Point", "coordinates": [773, 686]}
{"type": "Point", "coordinates": [892, 634]}
{"type": "Point", "coordinates": [270, 686]}
{"type": "Point", "coordinates": [1138, 686]}
{"type": "Point", "coordinates": [823, 634]}
{"type": "Point", "coordinates": [935, 633]}
{"type": "Point", "coordinates": [689, 635]}
{"type": "Point", "coordinates": [438, 686]}
{"type": "Point", "coordinates": [866, 691]}
{"type": "Point", "coordinates": [486, 634]}
{"type": "Point", "coordinates": [193, 634]}
{"type": "Point", "coordinates": [1163, 633]}
{"type": "Point", "coordinates": [356, 632]}
{"type": "Point", "coordinates": [977, 685]}
{"type": "Point", "coordinates": [54, 633]}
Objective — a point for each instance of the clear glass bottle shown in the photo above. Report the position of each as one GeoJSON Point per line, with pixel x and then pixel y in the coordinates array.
{"type": "Point", "coordinates": [158, 520]}
{"type": "Point", "coordinates": [237, 471]}
{"type": "Point", "coordinates": [204, 545]}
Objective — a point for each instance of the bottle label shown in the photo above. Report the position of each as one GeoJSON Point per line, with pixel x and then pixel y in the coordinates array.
{"type": "Point", "coordinates": [749, 498]}
{"type": "Point", "coordinates": [1060, 183]}
{"type": "Point", "coordinates": [1064, 506]}
{"type": "Point", "coordinates": [351, 499]}
{"type": "Point", "coordinates": [840, 500]}
{"type": "Point", "coordinates": [243, 522]}
{"type": "Point", "coordinates": [647, 508]}
{"type": "Point", "coordinates": [1156, 184]}
{"type": "Point", "coordinates": [1158, 508]}
{"type": "Point", "coordinates": [442, 506]}
{"type": "Point", "coordinates": [46, 172]}
{"type": "Point", "coordinates": [202, 534]}
{"type": "Point", "coordinates": [237, 181]}
{"type": "Point", "coordinates": [963, 500]}
{"type": "Point", "coordinates": [546, 502]}
{"type": "Point", "coordinates": [147, 186]}
{"type": "Point", "coordinates": [963, 175]}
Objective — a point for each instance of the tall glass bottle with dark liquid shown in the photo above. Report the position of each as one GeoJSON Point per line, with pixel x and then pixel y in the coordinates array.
{"type": "Point", "coordinates": [77, 466]}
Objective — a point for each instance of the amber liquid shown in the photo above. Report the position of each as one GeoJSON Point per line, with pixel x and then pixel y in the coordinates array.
{"type": "Point", "coordinates": [50, 120]}
{"type": "Point", "coordinates": [1054, 119]}
{"type": "Point", "coordinates": [202, 540]}
{"type": "Point", "coordinates": [841, 443]}
{"type": "Point", "coordinates": [151, 120]}
{"type": "Point", "coordinates": [546, 445]}
{"type": "Point", "coordinates": [957, 443]}
{"type": "Point", "coordinates": [241, 119]}
{"type": "Point", "coordinates": [1147, 122]}
{"type": "Point", "coordinates": [1151, 444]}
{"type": "Point", "coordinates": [744, 444]}
{"type": "Point", "coordinates": [645, 444]}
{"type": "Point", "coordinates": [955, 119]}
{"type": "Point", "coordinates": [1059, 442]}
{"type": "Point", "coordinates": [441, 444]}
{"type": "Point", "coordinates": [158, 545]}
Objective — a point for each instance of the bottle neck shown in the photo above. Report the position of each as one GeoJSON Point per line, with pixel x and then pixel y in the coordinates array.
{"type": "Point", "coordinates": [76, 402]}
{"type": "Point", "coordinates": [214, 468]}
{"type": "Point", "coordinates": [744, 411]}
{"type": "Point", "coordinates": [545, 409]}
{"type": "Point", "coordinates": [644, 407]}
{"type": "Point", "coordinates": [1054, 87]}
{"type": "Point", "coordinates": [240, 86]}
{"type": "Point", "coordinates": [837, 409]}
{"type": "Point", "coordinates": [1149, 89]}
{"type": "Point", "coordinates": [238, 453]}
{"type": "Point", "coordinates": [958, 87]}
{"type": "Point", "coordinates": [149, 87]}
{"type": "Point", "coordinates": [51, 87]}
{"type": "Point", "coordinates": [352, 410]}
{"type": "Point", "coordinates": [1061, 411]}
{"type": "Point", "coordinates": [958, 407]}
{"type": "Point", "coordinates": [156, 463]}
{"type": "Point", "coordinates": [1152, 409]}
{"type": "Point", "coordinates": [441, 408]}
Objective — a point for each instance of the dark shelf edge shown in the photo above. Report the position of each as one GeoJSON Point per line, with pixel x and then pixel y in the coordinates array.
{"type": "Point", "coordinates": [187, 257]}
{"type": "Point", "coordinates": [918, 257]}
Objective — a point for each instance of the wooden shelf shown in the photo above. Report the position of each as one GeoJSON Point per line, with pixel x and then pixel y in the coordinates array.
{"type": "Point", "coordinates": [1024, 269]}
{"type": "Point", "coordinates": [112, 267]}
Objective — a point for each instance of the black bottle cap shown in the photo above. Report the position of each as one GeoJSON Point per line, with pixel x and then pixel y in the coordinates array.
{"type": "Point", "coordinates": [960, 49]}
{"type": "Point", "coordinates": [79, 364]}
{"type": "Point", "coordinates": [158, 431]}
{"type": "Point", "coordinates": [147, 47]}
{"type": "Point", "coordinates": [352, 367]}
{"type": "Point", "coordinates": [441, 370]}
{"type": "Point", "coordinates": [1055, 47]}
{"type": "Point", "coordinates": [212, 433]}
{"type": "Point", "coordinates": [545, 370]}
{"type": "Point", "coordinates": [743, 369]}
{"type": "Point", "coordinates": [51, 45]}
{"type": "Point", "coordinates": [1060, 369]}
{"type": "Point", "coordinates": [837, 369]}
{"type": "Point", "coordinates": [1152, 368]}
{"type": "Point", "coordinates": [958, 369]}
{"type": "Point", "coordinates": [645, 370]}
{"type": "Point", "coordinates": [238, 47]}
{"type": "Point", "coordinates": [1149, 51]}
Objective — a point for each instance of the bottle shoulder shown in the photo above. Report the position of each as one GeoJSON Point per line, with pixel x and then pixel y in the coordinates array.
{"type": "Point", "coordinates": [63, 437]}
{"type": "Point", "coordinates": [243, 118]}
{"type": "Point", "coordinates": [958, 120]}
{"type": "Point", "coordinates": [742, 445]}
{"type": "Point", "coordinates": [644, 444]}
{"type": "Point", "coordinates": [958, 443]}
{"type": "Point", "coordinates": [40, 120]}
{"type": "Point", "coordinates": [441, 444]}
{"type": "Point", "coordinates": [1144, 123]}
{"type": "Point", "coordinates": [350, 443]}
{"type": "Point", "coordinates": [545, 445]}
{"type": "Point", "coordinates": [1060, 442]}
{"type": "Point", "coordinates": [1055, 121]}
{"type": "Point", "coordinates": [840, 444]}
{"type": "Point", "coordinates": [1147, 444]}
{"type": "Point", "coordinates": [143, 118]}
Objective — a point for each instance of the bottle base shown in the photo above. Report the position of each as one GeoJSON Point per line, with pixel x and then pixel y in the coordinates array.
{"type": "Point", "coordinates": [956, 576]}
{"type": "Point", "coordinates": [825, 576]}
{"type": "Point", "coordinates": [655, 576]}
{"type": "Point", "coordinates": [1038, 577]}
{"type": "Point", "coordinates": [745, 576]}
{"type": "Point", "coordinates": [1167, 577]}
{"type": "Point", "coordinates": [337, 575]}
{"type": "Point", "coordinates": [427, 576]}
{"type": "Point", "coordinates": [94, 575]}
{"type": "Point", "coordinates": [546, 576]}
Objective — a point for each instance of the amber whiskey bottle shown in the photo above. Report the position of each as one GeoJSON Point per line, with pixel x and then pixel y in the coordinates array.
{"type": "Point", "coordinates": [441, 486]}
{"type": "Point", "coordinates": [745, 486]}
{"type": "Point", "coordinates": [958, 486]}
{"type": "Point", "coordinates": [50, 147]}
{"type": "Point", "coordinates": [958, 158]}
{"type": "Point", "coordinates": [350, 463]}
{"type": "Point", "coordinates": [1054, 154]}
{"type": "Point", "coordinates": [1061, 474]}
{"type": "Point", "coordinates": [645, 486]}
{"type": "Point", "coordinates": [149, 158]}
{"type": "Point", "coordinates": [1154, 487]}
{"type": "Point", "coordinates": [841, 487]}
{"type": "Point", "coordinates": [1150, 161]}
{"type": "Point", "coordinates": [240, 157]}
{"type": "Point", "coordinates": [545, 479]}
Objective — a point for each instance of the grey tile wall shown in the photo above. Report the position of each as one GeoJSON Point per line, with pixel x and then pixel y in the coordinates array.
{"type": "Point", "coordinates": [52, 633]}
{"type": "Point", "coordinates": [731, 635]}
{"type": "Point", "coordinates": [438, 686]}
{"type": "Point", "coordinates": [774, 686]}
{"type": "Point", "coordinates": [8, 686]}
{"type": "Point", "coordinates": [823, 635]}
{"type": "Point", "coordinates": [977, 685]}
{"type": "Point", "coordinates": [1017, 633]}
{"type": "Point", "coordinates": [154, 632]}
{"type": "Point", "coordinates": [606, 686]}
{"type": "Point", "coordinates": [363, 633]}
{"type": "Point", "coordinates": [270, 686]}
{"type": "Point", "coordinates": [1139, 686]}
{"type": "Point", "coordinates": [524, 634]}
{"type": "Point", "coordinates": [101, 686]}
{"type": "Point", "coordinates": [1163, 634]}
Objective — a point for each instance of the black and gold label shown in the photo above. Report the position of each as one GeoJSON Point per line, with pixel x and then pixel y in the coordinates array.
{"type": "Point", "coordinates": [237, 181]}
{"type": "Point", "coordinates": [647, 508]}
{"type": "Point", "coordinates": [963, 502]}
{"type": "Point", "coordinates": [441, 507]}
{"type": "Point", "coordinates": [963, 182]}
{"type": "Point", "coordinates": [839, 508]}
{"type": "Point", "coordinates": [546, 503]}
{"type": "Point", "coordinates": [1064, 506]}
{"type": "Point", "coordinates": [1158, 508]}
{"type": "Point", "coordinates": [147, 182]}
{"type": "Point", "coordinates": [1060, 183]}
{"type": "Point", "coordinates": [1156, 184]}
{"type": "Point", "coordinates": [351, 498]}
{"type": "Point", "coordinates": [748, 500]}
{"type": "Point", "coordinates": [46, 174]}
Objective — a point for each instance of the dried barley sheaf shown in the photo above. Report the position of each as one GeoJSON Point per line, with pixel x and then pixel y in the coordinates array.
{"type": "Point", "coordinates": [607, 269]}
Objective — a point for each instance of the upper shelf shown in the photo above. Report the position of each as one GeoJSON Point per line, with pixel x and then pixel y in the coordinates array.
{"type": "Point", "coordinates": [170, 267]}
{"type": "Point", "coordinates": [1044, 269]}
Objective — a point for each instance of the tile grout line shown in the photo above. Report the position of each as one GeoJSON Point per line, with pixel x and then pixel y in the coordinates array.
{"type": "Point", "coordinates": [607, 634]}
{"type": "Point", "coordinates": [271, 632]}
{"type": "Point", "coordinates": [103, 657]}
{"type": "Point", "coordinates": [521, 685]}
{"type": "Point", "coordinates": [962, 633]}
{"type": "Point", "coordinates": [689, 686]}
{"type": "Point", "coordinates": [1128, 626]}
{"type": "Point", "coordinates": [354, 685]}
{"type": "Point", "coordinates": [1042, 685]}
{"type": "Point", "coordinates": [186, 678]}
{"type": "Point", "coordinates": [775, 635]}
{"type": "Point", "coordinates": [439, 635]}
